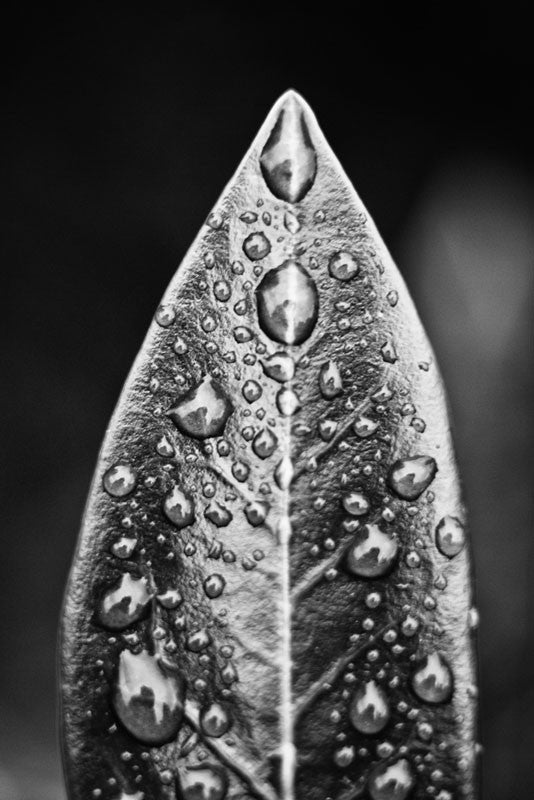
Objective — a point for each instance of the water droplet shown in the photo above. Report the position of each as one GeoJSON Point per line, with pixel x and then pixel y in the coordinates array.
{"type": "Point", "coordinates": [432, 681]}
{"type": "Point", "coordinates": [124, 547]}
{"type": "Point", "coordinates": [242, 334]}
{"type": "Point", "coordinates": [280, 367]}
{"type": "Point", "coordinates": [364, 426]}
{"type": "Point", "coordinates": [198, 640]}
{"type": "Point", "coordinates": [119, 480]}
{"type": "Point", "coordinates": [222, 290]}
{"type": "Point", "coordinates": [288, 303]}
{"type": "Point", "coordinates": [327, 429]}
{"type": "Point", "coordinates": [409, 477]}
{"type": "Point", "coordinates": [372, 552]}
{"type": "Point", "coordinates": [214, 720]}
{"type": "Point", "coordinates": [283, 474]}
{"type": "Point", "coordinates": [165, 316]}
{"type": "Point", "coordinates": [205, 782]}
{"type": "Point", "coordinates": [179, 508]}
{"type": "Point", "coordinates": [256, 513]}
{"type": "Point", "coordinates": [343, 266]}
{"type": "Point", "coordinates": [264, 443]}
{"type": "Point", "coordinates": [392, 297]}
{"type": "Point", "coordinates": [214, 585]}
{"type": "Point", "coordinates": [344, 756]}
{"type": "Point", "coordinates": [202, 412]}
{"type": "Point", "coordinates": [252, 391]}
{"type": "Point", "coordinates": [389, 354]}
{"type": "Point", "coordinates": [218, 514]}
{"type": "Point", "coordinates": [330, 382]}
{"type": "Point", "coordinates": [256, 246]}
{"type": "Point", "coordinates": [288, 160]}
{"type": "Point", "coordinates": [356, 503]}
{"type": "Point", "coordinates": [369, 708]}
{"type": "Point", "coordinates": [208, 323]}
{"type": "Point", "coordinates": [240, 471]}
{"type": "Point", "coordinates": [125, 603]}
{"type": "Point", "coordinates": [147, 699]}
{"type": "Point", "coordinates": [287, 402]}
{"type": "Point", "coordinates": [248, 217]}
{"type": "Point", "coordinates": [164, 448]}
{"type": "Point", "coordinates": [291, 222]}
{"type": "Point", "coordinates": [450, 536]}
{"type": "Point", "coordinates": [382, 395]}
{"type": "Point", "coordinates": [170, 599]}
{"type": "Point", "coordinates": [392, 781]}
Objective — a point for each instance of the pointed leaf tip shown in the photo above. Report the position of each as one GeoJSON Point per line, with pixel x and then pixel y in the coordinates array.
{"type": "Point", "coordinates": [271, 596]}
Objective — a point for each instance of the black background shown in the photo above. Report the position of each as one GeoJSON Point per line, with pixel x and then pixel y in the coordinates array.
{"type": "Point", "coordinates": [120, 129]}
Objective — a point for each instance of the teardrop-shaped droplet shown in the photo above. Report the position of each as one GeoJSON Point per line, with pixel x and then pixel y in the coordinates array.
{"type": "Point", "coordinates": [203, 411]}
{"type": "Point", "coordinates": [393, 781]}
{"type": "Point", "coordinates": [178, 507]}
{"type": "Point", "coordinates": [369, 709]}
{"type": "Point", "coordinates": [124, 547]}
{"type": "Point", "coordinates": [450, 536]}
{"type": "Point", "coordinates": [287, 402]}
{"type": "Point", "coordinates": [372, 552]}
{"type": "Point", "coordinates": [327, 429]}
{"type": "Point", "coordinates": [214, 720]}
{"type": "Point", "coordinates": [124, 604]}
{"type": "Point", "coordinates": [288, 303]}
{"type": "Point", "coordinates": [119, 480]}
{"type": "Point", "coordinates": [409, 477]}
{"type": "Point", "coordinates": [218, 514]}
{"type": "Point", "coordinates": [284, 472]}
{"type": "Point", "coordinates": [432, 681]}
{"type": "Point", "coordinates": [364, 426]}
{"type": "Point", "coordinates": [204, 782]}
{"type": "Point", "coordinates": [288, 160]}
{"type": "Point", "coordinates": [280, 367]}
{"type": "Point", "coordinates": [330, 382]}
{"type": "Point", "coordinates": [148, 700]}
{"type": "Point", "coordinates": [264, 443]}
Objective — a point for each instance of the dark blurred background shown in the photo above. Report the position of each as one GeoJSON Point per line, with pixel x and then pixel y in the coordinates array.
{"type": "Point", "coordinates": [120, 130]}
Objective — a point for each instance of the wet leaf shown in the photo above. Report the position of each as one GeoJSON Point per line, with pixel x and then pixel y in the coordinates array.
{"type": "Point", "coordinates": [271, 594]}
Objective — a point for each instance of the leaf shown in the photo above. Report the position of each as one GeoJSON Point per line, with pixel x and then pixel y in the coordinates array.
{"type": "Point", "coordinates": [271, 595]}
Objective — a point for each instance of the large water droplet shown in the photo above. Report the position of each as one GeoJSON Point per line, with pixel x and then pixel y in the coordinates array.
{"type": "Point", "coordinates": [409, 477]}
{"type": "Point", "coordinates": [330, 382]}
{"type": "Point", "coordinates": [203, 411]}
{"type": "Point", "coordinates": [264, 443]}
{"type": "Point", "coordinates": [280, 367]}
{"type": "Point", "coordinates": [205, 782]}
{"type": "Point", "coordinates": [125, 603]}
{"type": "Point", "coordinates": [369, 708]}
{"type": "Point", "coordinates": [178, 508]}
{"type": "Point", "coordinates": [218, 514]}
{"type": "Point", "coordinates": [393, 781]}
{"type": "Point", "coordinates": [119, 480]}
{"type": "Point", "coordinates": [432, 682]}
{"type": "Point", "coordinates": [450, 536]}
{"type": "Point", "coordinates": [288, 303]}
{"type": "Point", "coordinates": [147, 699]}
{"type": "Point", "coordinates": [372, 552]}
{"type": "Point", "coordinates": [288, 160]}
{"type": "Point", "coordinates": [287, 402]}
{"type": "Point", "coordinates": [214, 720]}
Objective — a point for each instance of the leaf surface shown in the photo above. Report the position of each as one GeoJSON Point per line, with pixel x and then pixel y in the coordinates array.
{"type": "Point", "coordinates": [271, 595]}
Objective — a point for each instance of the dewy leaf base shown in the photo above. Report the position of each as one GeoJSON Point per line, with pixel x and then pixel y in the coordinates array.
{"type": "Point", "coordinates": [271, 595]}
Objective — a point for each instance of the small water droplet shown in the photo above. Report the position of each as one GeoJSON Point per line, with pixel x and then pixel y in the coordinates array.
{"type": "Point", "coordinates": [248, 217]}
{"type": "Point", "coordinates": [432, 681]}
{"type": "Point", "coordinates": [119, 480]}
{"type": "Point", "coordinates": [256, 246]}
{"type": "Point", "coordinates": [382, 395]}
{"type": "Point", "coordinates": [287, 402]}
{"type": "Point", "coordinates": [288, 303]}
{"type": "Point", "coordinates": [170, 599]}
{"type": "Point", "coordinates": [393, 781]}
{"type": "Point", "coordinates": [450, 536]}
{"type": "Point", "coordinates": [240, 471]}
{"type": "Point", "coordinates": [203, 411]}
{"type": "Point", "coordinates": [125, 603]}
{"type": "Point", "coordinates": [251, 391]}
{"type": "Point", "coordinates": [410, 626]}
{"type": "Point", "coordinates": [392, 297]}
{"type": "Point", "coordinates": [256, 513]}
{"type": "Point", "coordinates": [409, 477]}
{"type": "Point", "coordinates": [264, 443]}
{"type": "Point", "coordinates": [389, 354]}
{"type": "Point", "coordinates": [364, 426]}
{"type": "Point", "coordinates": [148, 699]}
{"type": "Point", "coordinates": [280, 367]}
{"type": "Point", "coordinates": [222, 290]}
{"type": "Point", "coordinates": [369, 709]}
{"type": "Point", "coordinates": [242, 334]}
{"type": "Point", "coordinates": [214, 720]}
{"type": "Point", "coordinates": [214, 585]}
{"type": "Point", "coordinates": [124, 547]}
{"type": "Point", "coordinates": [178, 507]}
{"type": "Point", "coordinates": [372, 552]}
{"type": "Point", "coordinates": [164, 448]}
{"type": "Point", "coordinates": [356, 503]}
{"type": "Point", "coordinates": [343, 266]}
{"type": "Point", "coordinates": [291, 222]}
{"type": "Point", "coordinates": [344, 756]}
{"type": "Point", "coordinates": [198, 641]}
{"type": "Point", "coordinates": [165, 315]}
{"type": "Point", "coordinates": [330, 382]}
{"type": "Point", "coordinates": [218, 514]}
{"type": "Point", "coordinates": [288, 160]}
{"type": "Point", "coordinates": [204, 782]}
{"type": "Point", "coordinates": [327, 429]}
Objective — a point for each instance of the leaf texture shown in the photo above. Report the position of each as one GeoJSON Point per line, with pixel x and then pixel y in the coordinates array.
{"type": "Point", "coordinates": [271, 595]}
